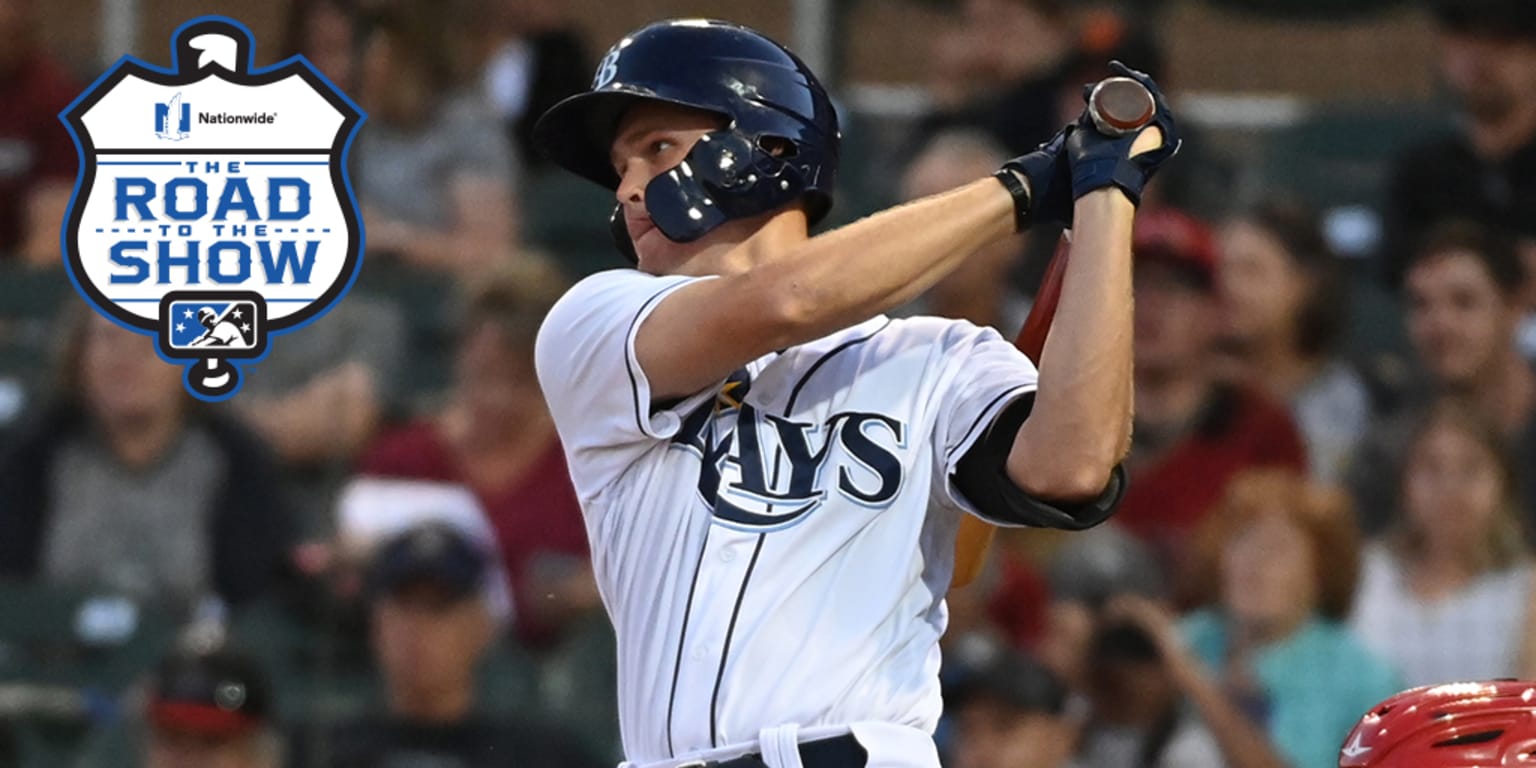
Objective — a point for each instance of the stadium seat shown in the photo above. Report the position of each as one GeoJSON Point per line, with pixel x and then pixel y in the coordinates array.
{"type": "Point", "coordinates": [1342, 155]}
{"type": "Point", "coordinates": [30, 300]}
{"type": "Point", "coordinates": [66, 658]}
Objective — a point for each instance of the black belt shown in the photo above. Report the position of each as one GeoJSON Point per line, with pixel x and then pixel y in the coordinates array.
{"type": "Point", "coordinates": [837, 752]}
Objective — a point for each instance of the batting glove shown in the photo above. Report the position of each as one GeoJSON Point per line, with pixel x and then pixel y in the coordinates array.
{"type": "Point", "coordinates": [1048, 196]}
{"type": "Point", "coordinates": [1099, 161]}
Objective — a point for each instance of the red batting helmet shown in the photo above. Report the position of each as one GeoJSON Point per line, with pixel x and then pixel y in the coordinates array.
{"type": "Point", "coordinates": [1460, 725]}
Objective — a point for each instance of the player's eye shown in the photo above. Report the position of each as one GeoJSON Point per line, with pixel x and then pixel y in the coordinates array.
{"type": "Point", "coordinates": [660, 146]}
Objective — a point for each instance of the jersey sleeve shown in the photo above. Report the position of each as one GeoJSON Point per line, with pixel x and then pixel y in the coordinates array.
{"type": "Point", "coordinates": [598, 395]}
{"type": "Point", "coordinates": [985, 374]}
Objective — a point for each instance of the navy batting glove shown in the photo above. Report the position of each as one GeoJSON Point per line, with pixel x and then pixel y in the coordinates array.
{"type": "Point", "coordinates": [1099, 161]}
{"type": "Point", "coordinates": [1049, 197]}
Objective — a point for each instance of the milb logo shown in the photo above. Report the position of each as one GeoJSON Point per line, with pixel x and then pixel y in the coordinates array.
{"type": "Point", "coordinates": [230, 325]}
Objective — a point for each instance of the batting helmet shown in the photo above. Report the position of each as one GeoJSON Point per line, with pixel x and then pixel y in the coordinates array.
{"type": "Point", "coordinates": [779, 140]}
{"type": "Point", "coordinates": [1461, 725]}
{"type": "Point", "coordinates": [206, 315]}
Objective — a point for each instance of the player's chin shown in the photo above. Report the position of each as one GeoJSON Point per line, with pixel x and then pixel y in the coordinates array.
{"type": "Point", "coordinates": [659, 255]}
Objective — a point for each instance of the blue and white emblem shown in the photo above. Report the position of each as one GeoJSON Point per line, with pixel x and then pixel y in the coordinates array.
{"type": "Point", "coordinates": [213, 207]}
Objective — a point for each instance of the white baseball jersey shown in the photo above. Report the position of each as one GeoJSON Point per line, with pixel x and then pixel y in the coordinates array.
{"type": "Point", "coordinates": [776, 549]}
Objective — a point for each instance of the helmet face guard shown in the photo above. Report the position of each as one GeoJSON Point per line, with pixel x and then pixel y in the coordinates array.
{"type": "Point", "coordinates": [765, 96]}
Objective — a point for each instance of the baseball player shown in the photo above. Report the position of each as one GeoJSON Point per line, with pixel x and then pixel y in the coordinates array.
{"type": "Point", "coordinates": [772, 471]}
{"type": "Point", "coordinates": [219, 333]}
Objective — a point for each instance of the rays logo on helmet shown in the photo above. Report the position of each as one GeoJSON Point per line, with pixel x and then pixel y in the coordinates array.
{"type": "Point", "coordinates": [608, 69]}
{"type": "Point", "coordinates": [228, 217]}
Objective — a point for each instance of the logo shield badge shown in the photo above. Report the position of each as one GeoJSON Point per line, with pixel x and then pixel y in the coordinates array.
{"type": "Point", "coordinates": [213, 208]}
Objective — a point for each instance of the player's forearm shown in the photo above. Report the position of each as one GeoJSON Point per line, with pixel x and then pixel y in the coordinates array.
{"type": "Point", "coordinates": [880, 262]}
{"type": "Point", "coordinates": [817, 286]}
{"type": "Point", "coordinates": [1080, 425]}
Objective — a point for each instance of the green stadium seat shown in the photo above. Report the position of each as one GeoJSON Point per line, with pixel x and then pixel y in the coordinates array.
{"type": "Point", "coordinates": [30, 302]}
{"type": "Point", "coordinates": [1342, 155]}
{"type": "Point", "coordinates": [67, 656]}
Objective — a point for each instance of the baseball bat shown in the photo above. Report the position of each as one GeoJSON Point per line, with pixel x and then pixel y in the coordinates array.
{"type": "Point", "coordinates": [1117, 106]}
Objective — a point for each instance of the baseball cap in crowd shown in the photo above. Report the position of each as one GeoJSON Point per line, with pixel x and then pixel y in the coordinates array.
{"type": "Point", "coordinates": [1019, 681]}
{"type": "Point", "coordinates": [373, 510]}
{"type": "Point", "coordinates": [436, 554]}
{"type": "Point", "coordinates": [217, 693]}
{"type": "Point", "coordinates": [1505, 19]}
{"type": "Point", "coordinates": [1170, 236]}
{"type": "Point", "coordinates": [1095, 565]}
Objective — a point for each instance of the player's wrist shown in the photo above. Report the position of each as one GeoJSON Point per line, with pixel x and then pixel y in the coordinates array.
{"type": "Point", "coordinates": [1017, 185]}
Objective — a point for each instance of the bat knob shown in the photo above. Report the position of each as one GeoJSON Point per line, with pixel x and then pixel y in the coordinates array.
{"type": "Point", "coordinates": [1120, 105]}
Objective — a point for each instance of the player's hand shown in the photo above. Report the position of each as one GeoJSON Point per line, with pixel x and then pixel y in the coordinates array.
{"type": "Point", "coordinates": [1098, 161]}
{"type": "Point", "coordinates": [1049, 180]}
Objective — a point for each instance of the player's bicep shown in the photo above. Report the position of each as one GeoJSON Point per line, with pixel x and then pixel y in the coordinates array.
{"type": "Point", "coordinates": [699, 334]}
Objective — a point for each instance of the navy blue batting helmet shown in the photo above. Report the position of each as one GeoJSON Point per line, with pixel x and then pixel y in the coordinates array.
{"type": "Point", "coordinates": [778, 143]}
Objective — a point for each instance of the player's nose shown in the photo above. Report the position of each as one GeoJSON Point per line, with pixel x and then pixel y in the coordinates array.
{"type": "Point", "coordinates": [632, 183]}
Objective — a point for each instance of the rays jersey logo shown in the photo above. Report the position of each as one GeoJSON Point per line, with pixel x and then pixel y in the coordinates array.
{"type": "Point", "coordinates": [213, 208]}
{"type": "Point", "coordinates": [768, 472]}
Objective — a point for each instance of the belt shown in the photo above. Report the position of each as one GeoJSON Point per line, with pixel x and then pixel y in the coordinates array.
{"type": "Point", "coordinates": [837, 752]}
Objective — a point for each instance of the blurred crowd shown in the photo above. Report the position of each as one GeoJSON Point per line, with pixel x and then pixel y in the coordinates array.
{"type": "Point", "coordinates": [372, 556]}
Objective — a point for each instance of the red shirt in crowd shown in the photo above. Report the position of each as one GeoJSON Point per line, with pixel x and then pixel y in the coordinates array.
{"type": "Point", "coordinates": [1169, 498]}
{"type": "Point", "coordinates": [535, 516]}
{"type": "Point", "coordinates": [34, 146]}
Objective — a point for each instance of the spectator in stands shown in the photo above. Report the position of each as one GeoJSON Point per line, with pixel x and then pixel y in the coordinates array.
{"type": "Point", "coordinates": [320, 394]}
{"type": "Point", "coordinates": [433, 170]}
{"type": "Point", "coordinates": [1455, 561]}
{"type": "Point", "coordinates": [1134, 714]}
{"type": "Point", "coordinates": [1000, 68]}
{"type": "Point", "coordinates": [1189, 423]}
{"type": "Point", "coordinates": [1281, 557]}
{"type": "Point", "coordinates": [1284, 300]}
{"type": "Point", "coordinates": [495, 436]}
{"type": "Point", "coordinates": [128, 484]}
{"type": "Point", "coordinates": [431, 630]}
{"type": "Point", "coordinates": [211, 710]}
{"type": "Point", "coordinates": [1139, 700]}
{"type": "Point", "coordinates": [537, 57]}
{"type": "Point", "coordinates": [325, 33]}
{"type": "Point", "coordinates": [1011, 712]}
{"type": "Point", "coordinates": [1462, 289]}
{"type": "Point", "coordinates": [373, 510]}
{"type": "Point", "coordinates": [1486, 171]}
{"type": "Point", "coordinates": [37, 158]}
{"type": "Point", "coordinates": [1083, 575]}
{"type": "Point", "coordinates": [980, 290]}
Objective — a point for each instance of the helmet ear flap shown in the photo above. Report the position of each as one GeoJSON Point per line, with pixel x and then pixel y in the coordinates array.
{"type": "Point", "coordinates": [620, 234]}
{"type": "Point", "coordinates": [725, 176]}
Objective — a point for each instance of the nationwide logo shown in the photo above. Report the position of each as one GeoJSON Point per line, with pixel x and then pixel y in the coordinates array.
{"type": "Point", "coordinates": [173, 119]}
{"type": "Point", "coordinates": [244, 229]}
